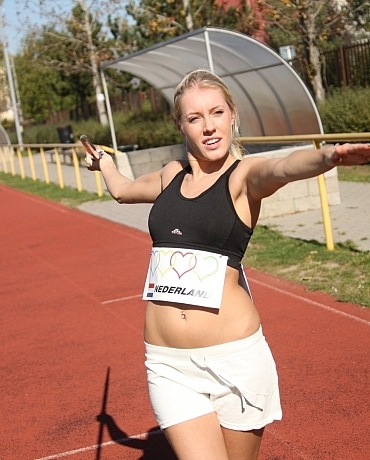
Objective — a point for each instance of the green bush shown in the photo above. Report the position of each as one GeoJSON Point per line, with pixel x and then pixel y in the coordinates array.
{"type": "Point", "coordinates": [346, 111]}
{"type": "Point", "coordinates": [145, 129]}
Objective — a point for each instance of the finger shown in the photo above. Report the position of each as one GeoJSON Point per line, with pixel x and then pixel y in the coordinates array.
{"type": "Point", "coordinates": [89, 160]}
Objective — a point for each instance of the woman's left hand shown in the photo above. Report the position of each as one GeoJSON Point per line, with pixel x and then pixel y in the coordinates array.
{"type": "Point", "coordinates": [348, 154]}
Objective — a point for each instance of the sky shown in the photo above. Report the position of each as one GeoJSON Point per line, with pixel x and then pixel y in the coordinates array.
{"type": "Point", "coordinates": [9, 22]}
{"type": "Point", "coordinates": [16, 17]}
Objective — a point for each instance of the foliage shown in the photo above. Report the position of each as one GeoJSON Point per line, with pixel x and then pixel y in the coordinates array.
{"type": "Point", "coordinates": [312, 27]}
{"type": "Point", "coordinates": [148, 131]}
{"type": "Point", "coordinates": [66, 53]}
{"type": "Point", "coordinates": [145, 129]}
{"type": "Point", "coordinates": [55, 71]}
{"type": "Point", "coordinates": [360, 15]}
{"type": "Point", "coordinates": [298, 22]}
{"type": "Point", "coordinates": [155, 22]}
{"type": "Point", "coordinates": [343, 273]}
{"type": "Point", "coordinates": [41, 88]}
{"type": "Point", "coordinates": [346, 110]}
{"type": "Point", "coordinates": [61, 59]}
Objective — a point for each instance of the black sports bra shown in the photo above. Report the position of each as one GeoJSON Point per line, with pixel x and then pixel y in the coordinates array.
{"type": "Point", "coordinates": [207, 222]}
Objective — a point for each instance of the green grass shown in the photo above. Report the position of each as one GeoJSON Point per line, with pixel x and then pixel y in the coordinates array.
{"type": "Point", "coordinates": [359, 173]}
{"type": "Point", "coordinates": [68, 196]}
{"type": "Point", "coordinates": [343, 273]}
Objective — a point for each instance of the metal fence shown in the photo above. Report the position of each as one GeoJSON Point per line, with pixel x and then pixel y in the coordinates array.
{"type": "Point", "coordinates": [60, 164]}
{"type": "Point", "coordinates": [51, 163]}
{"type": "Point", "coordinates": [348, 65]}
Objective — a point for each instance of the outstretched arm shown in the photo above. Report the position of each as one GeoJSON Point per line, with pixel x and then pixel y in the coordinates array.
{"type": "Point", "coordinates": [266, 176]}
{"type": "Point", "coordinates": [144, 189]}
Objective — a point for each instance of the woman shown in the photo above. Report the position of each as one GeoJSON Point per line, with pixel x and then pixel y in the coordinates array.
{"type": "Point", "coordinates": [212, 379]}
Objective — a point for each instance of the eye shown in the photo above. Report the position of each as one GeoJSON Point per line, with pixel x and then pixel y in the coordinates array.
{"type": "Point", "coordinates": [193, 119]}
{"type": "Point", "coordinates": [218, 112]}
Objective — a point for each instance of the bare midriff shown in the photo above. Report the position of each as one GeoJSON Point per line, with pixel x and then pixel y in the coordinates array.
{"type": "Point", "coordinates": [178, 325]}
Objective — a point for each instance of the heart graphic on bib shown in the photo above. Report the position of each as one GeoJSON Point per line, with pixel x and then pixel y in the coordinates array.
{"type": "Point", "coordinates": [154, 262]}
{"type": "Point", "coordinates": [207, 266]}
{"type": "Point", "coordinates": [183, 263]}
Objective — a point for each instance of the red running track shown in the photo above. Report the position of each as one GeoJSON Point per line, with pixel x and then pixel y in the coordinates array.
{"type": "Point", "coordinates": [72, 374]}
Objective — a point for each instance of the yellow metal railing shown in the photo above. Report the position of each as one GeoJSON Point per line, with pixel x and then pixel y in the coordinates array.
{"type": "Point", "coordinates": [31, 160]}
{"type": "Point", "coordinates": [317, 140]}
{"type": "Point", "coordinates": [13, 159]}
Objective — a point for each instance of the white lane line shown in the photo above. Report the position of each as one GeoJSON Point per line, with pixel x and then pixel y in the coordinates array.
{"type": "Point", "coordinates": [96, 446]}
{"type": "Point", "coordinates": [145, 435]}
{"type": "Point", "coordinates": [282, 291]}
{"type": "Point", "coordinates": [312, 302]}
{"type": "Point", "coordinates": [119, 299]}
{"type": "Point", "coordinates": [287, 443]}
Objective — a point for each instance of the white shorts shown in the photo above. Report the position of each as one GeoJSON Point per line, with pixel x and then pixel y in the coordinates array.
{"type": "Point", "coordinates": [236, 380]}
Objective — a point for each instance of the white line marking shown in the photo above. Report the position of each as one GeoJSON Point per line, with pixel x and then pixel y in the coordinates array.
{"type": "Point", "coordinates": [145, 435]}
{"type": "Point", "coordinates": [96, 446]}
{"type": "Point", "coordinates": [296, 296]}
{"type": "Point", "coordinates": [286, 443]}
{"type": "Point", "coordinates": [312, 302]}
{"type": "Point", "coordinates": [119, 299]}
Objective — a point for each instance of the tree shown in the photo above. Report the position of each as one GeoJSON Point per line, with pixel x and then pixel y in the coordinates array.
{"type": "Point", "coordinates": [87, 32]}
{"type": "Point", "coordinates": [73, 44]}
{"type": "Point", "coordinates": [43, 87]}
{"type": "Point", "coordinates": [155, 22]}
{"type": "Point", "coordinates": [312, 26]}
{"type": "Point", "coordinates": [360, 15]}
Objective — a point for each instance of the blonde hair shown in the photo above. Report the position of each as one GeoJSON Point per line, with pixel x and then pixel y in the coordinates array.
{"type": "Point", "coordinates": [207, 79]}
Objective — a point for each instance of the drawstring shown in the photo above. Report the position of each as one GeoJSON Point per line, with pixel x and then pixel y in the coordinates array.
{"type": "Point", "coordinates": [230, 385]}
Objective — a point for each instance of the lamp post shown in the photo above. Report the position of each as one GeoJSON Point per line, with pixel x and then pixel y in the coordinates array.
{"type": "Point", "coordinates": [11, 77]}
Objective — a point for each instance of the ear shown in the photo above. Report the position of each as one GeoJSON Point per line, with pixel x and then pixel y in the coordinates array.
{"type": "Point", "coordinates": [179, 127]}
{"type": "Point", "coordinates": [233, 117]}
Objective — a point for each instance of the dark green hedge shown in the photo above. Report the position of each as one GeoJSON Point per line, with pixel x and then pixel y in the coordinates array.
{"type": "Point", "coordinates": [344, 111]}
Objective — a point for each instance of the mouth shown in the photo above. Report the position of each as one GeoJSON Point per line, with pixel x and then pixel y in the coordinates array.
{"type": "Point", "coordinates": [212, 141]}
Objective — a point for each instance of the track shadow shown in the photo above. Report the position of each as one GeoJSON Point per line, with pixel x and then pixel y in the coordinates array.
{"type": "Point", "coordinates": [154, 446]}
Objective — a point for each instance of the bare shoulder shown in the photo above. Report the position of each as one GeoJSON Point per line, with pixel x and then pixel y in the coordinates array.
{"type": "Point", "coordinates": [171, 169]}
{"type": "Point", "coordinates": [246, 166]}
{"type": "Point", "coordinates": [245, 175]}
{"type": "Point", "coordinates": [251, 161]}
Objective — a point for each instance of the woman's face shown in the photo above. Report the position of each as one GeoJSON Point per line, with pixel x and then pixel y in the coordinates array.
{"type": "Point", "coordinates": [206, 123]}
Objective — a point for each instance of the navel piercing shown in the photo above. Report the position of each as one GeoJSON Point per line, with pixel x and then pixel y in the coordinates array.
{"type": "Point", "coordinates": [183, 316]}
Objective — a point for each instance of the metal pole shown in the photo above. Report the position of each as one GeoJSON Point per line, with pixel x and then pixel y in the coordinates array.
{"type": "Point", "coordinates": [109, 110]}
{"type": "Point", "coordinates": [325, 208]}
{"type": "Point", "coordinates": [124, 165]}
{"type": "Point", "coordinates": [209, 51]}
{"type": "Point", "coordinates": [13, 98]}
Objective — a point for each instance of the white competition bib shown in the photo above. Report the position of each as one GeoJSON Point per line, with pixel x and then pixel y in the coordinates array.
{"type": "Point", "coordinates": [185, 276]}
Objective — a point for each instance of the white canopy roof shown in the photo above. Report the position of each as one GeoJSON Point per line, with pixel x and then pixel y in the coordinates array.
{"type": "Point", "coordinates": [272, 99]}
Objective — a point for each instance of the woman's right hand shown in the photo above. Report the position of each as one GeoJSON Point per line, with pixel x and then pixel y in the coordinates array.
{"type": "Point", "coordinates": [91, 163]}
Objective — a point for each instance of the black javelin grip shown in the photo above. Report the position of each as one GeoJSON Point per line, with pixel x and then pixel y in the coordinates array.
{"type": "Point", "coordinates": [91, 148]}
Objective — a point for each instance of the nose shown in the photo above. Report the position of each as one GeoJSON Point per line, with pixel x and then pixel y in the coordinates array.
{"type": "Point", "coordinates": [208, 126]}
